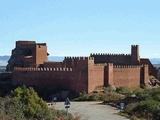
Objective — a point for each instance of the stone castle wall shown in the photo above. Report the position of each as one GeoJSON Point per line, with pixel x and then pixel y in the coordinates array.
{"type": "Point", "coordinates": [152, 71]}
{"type": "Point", "coordinates": [117, 59]}
{"type": "Point", "coordinates": [79, 73]}
{"type": "Point", "coordinates": [43, 77]}
{"type": "Point", "coordinates": [75, 78]}
{"type": "Point", "coordinates": [127, 76]}
{"type": "Point", "coordinates": [78, 80]}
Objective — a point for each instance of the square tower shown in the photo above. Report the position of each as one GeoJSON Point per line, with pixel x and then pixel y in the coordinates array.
{"type": "Point", "coordinates": [135, 58]}
{"type": "Point", "coordinates": [28, 54]}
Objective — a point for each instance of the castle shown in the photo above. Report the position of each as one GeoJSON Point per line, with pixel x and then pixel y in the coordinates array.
{"type": "Point", "coordinates": [30, 66]}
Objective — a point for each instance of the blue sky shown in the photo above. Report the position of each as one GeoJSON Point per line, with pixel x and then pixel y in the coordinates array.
{"type": "Point", "coordinates": [81, 27]}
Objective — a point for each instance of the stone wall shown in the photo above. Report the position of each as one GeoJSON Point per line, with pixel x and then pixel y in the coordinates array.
{"type": "Point", "coordinates": [117, 59]}
{"type": "Point", "coordinates": [127, 76]}
{"type": "Point", "coordinates": [152, 70]}
{"type": "Point", "coordinates": [43, 77]}
{"type": "Point", "coordinates": [78, 73]}
{"type": "Point", "coordinates": [95, 75]}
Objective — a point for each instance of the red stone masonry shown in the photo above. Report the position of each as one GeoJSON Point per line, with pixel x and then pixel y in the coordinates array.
{"type": "Point", "coordinates": [77, 73]}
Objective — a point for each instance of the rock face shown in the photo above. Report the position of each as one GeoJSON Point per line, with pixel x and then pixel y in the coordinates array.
{"type": "Point", "coordinates": [30, 66]}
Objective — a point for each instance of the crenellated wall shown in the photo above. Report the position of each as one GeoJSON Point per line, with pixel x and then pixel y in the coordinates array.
{"type": "Point", "coordinates": [41, 69]}
{"type": "Point", "coordinates": [130, 76]}
{"type": "Point", "coordinates": [75, 79]}
{"type": "Point", "coordinates": [21, 43]}
{"type": "Point", "coordinates": [126, 76]}
{"type": "Point", "coordinates": [135, 58]}
{"type": "Point", "coordinates": [77, 73]}
{"type": "Point", "coordinates": [80, 68]}
{"type": "Point", "coordinates": [44, 77]}
{"type": "Point", "coordinates": [117, 59]}
{"type": "Point", "coordinates": [53, 64]}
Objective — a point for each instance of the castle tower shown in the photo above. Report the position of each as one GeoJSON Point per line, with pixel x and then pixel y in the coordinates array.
{"type": "Point", "coordinates": [135, 58]}
{"type": "Point", "coordinates": [27, 54]}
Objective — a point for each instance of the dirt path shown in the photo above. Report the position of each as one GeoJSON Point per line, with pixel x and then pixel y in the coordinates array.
{"type": "Point", "coordinates": [92, 110]}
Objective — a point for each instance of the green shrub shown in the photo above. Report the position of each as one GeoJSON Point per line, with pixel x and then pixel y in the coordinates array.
{"type": "Point", "coordinates": [108, 89]}
{"type": "Point", "coordinates": [134, 118]}
{"type": "Point", "coordinates": [143, 95]}
{"type": "Point", "coordinates": [83, 97]}
{"type": "Point", "coordinates": [143, 86]}
{"type": "Point", "coordinates": [123, 90]}
{"type": "Point", "coordinates": [137, 90]}
{"type": "Point", "coordinates": [111, 97]}
{"type": "Point", "coordinates": [61, 115]}
{"type": "Point", "coordinates": [121, 113]}
{"type": "Point", "coordinates": [33, 106]}
{"type": "Point", "coordinates": [148, 108]}
{"type": "Point", "coordinates": [128, 108]}
{"type": "Point", "coordinates": [88, 97]}
{"type": "Point", "coordinates": [11, 108]}
{"type": "Point", "coordinates": [94, 97]}
{"type": "Point", "coordinates": [24, 104]}
{"type": "Point", "coordinates": [149, 94]}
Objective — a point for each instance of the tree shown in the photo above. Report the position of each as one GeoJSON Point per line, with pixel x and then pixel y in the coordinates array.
{"type": "Point", "coordinates": [11, 108]}
{"type": "Point", "coordinates": [34, 107]}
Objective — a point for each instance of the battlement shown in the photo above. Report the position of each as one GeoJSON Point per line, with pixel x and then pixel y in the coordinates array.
{"type": "Point", "coordinates": [103, 64]}
{"type": "Point", "coordinates": [25, 42]}
{"type": "Point", "coordinates": [134, 45]}
{"type": "Point", "coordinates": [127, 66]}
{"type": "Point", "coordinates": [41, 69]}
{"type": "Point", "coordinates": [41, 44]}
{"type": "Point", "coordinates": [80, 58]}
{"type": "Point", "coordinates": [108, 54]}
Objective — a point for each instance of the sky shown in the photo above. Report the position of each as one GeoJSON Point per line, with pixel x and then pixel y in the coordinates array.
{"type": "Point", "coordinates": [81, 27]}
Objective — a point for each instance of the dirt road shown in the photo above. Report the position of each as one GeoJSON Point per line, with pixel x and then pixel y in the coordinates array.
{"type": "Point", "coordinates": [92, 110]}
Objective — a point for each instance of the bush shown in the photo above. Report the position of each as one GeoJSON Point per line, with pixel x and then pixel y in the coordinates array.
{"type": "Point", "coordinates": [148, 108]}
{"type": "Point", "coordinates": [108, 89]}
{"type": "Point", "coordinates": [61, 115]}
{"type": "Point", "coordinates": [151, 94]}
{"type": "Point", "coordinates": [134, 118]}
{"type": "Point", "coordinates": [33, 106]}
{"type": "Point", "coordinates": [121, 113]}
{"type": "Point", "coordinates": [94, 97]}
{"type": "Point", "coordinates": [83, 97]}
{"type": "Point", "coordinates": [128, 108]}
{"type": "Point", "coordinates": [123, 90]}
{"type": "Point", "coordinates": [77, 116]}
{"type": "Point", "coordinates": [128, 92]}
{"type": "Point", "coordinates": [24, 104]}
{"type": "Point", "coordinates": [11, 108]}
{"type": "Point", "coordinates": [111, 97]}
{"type": "Point", "coordinates": [88, 97]}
